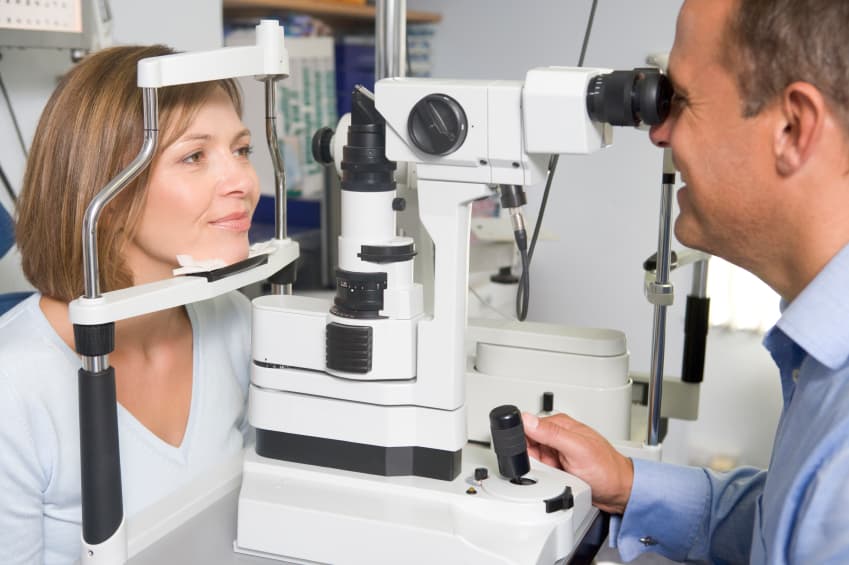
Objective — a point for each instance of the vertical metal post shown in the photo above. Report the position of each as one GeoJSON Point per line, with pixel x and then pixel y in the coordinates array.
{"type": "Point", "coordinates": [390, 48]}
{"type": "Point", "coordinates": [661, 296]}
{"type": "Point", "coordinates": [700, 271]}
{"type": "Point", "coordinates": [103, 526]}
{"type": "Point", "coordinates": [115, 186]}
{"type": "Point", "coordinates": [279, 171]}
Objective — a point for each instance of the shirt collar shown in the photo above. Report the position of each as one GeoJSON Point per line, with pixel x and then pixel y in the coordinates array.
{"type": "Point", "coordinates": [818, 319]}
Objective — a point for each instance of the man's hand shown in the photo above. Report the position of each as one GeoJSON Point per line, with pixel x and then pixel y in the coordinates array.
{"type": "Point", "coordinates": [567, 444]}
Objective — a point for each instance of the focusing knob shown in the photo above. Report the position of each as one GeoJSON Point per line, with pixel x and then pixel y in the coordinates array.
{"type": "Point", "coordinates": [508, 442]}
{"type": "Point", "coordinates": [322, 144]}
{"type": "Point", "coordinates": [437, 124]}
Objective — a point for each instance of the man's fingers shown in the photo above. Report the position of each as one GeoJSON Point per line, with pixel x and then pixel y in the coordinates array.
{"type": "Point", "coordinates": [550, 432]}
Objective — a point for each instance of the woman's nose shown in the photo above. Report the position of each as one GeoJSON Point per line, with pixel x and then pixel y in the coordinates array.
{"type": "Point", "coordinates": [238, 178]}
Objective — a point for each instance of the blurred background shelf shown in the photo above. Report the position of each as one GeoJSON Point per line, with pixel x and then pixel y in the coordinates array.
{"type": "Point", "coordinates": [331, 48]}
{"type": "Point", "coordinates": [332, 12]}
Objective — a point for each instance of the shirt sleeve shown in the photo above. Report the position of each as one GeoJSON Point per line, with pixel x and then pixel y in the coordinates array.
{"type": "Point", "coordinates": [689, 514]}
{"type": "Point", "coordinates": [21, 484]}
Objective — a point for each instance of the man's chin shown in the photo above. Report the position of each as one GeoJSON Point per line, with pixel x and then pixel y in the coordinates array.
{"type": "Point", "coordinates": [686, 234]}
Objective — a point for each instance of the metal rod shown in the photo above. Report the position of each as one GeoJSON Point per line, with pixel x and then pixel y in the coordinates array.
{"type": "Point", "coordinates": [659, 323]}
{"type": "Point", "coordinates": [111, 190]}
{"type": "Point", "coordinates": [390, 48]}
{"type": "Point", "coordinates": [280, 231]}
{"type": "Point", "coordinates": [96, 364]}
{"type": "Point", "coordinates": [700, 271]}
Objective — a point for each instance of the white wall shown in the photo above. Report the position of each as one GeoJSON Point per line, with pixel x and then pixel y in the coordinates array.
{"type": "Point", "coordinates": [30, 75]}
{"type": "Point", "coordinates": [604, 208]}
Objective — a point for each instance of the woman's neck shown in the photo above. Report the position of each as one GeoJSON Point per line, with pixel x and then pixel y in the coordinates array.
{"type": "Point", "coordinates": [142, 333]}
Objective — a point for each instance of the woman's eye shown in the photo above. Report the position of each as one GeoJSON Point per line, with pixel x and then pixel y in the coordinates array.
{"type": "Point", "coordinates": [679, 99]}
{"type": "Point", "coordinates": [245, 151]}
{"type": "Point", "coordinates": [193, 158]}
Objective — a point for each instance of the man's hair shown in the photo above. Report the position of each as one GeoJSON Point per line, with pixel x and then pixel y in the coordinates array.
{"type": "Point", "coordinates": [769, 44]}
{"type": "Point", "coordinates": [90, 130]}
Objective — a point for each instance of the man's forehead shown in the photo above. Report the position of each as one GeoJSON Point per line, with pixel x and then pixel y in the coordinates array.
{"type": "Point", "coordinates": [703, 20]}
{"type": "Point", "coordinates": [698, 35]}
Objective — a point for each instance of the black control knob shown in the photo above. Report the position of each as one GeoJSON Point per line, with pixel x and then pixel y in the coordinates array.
{"type": "Point", "coordinates": [629, 98]}
{"type": "Point", "coordinates": [322, 146]}
{"type": "Point", "coordinates": [508, 441]}
{"type": "Point", "coordinates": [437, 124]}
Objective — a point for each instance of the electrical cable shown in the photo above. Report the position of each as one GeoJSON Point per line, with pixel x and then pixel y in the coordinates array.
{"type": "Point", "coordinates": [587, 32]}
{"type": "Point", "coordinates": [14, 118]}
{"type": "Point", "coordinates": [523, 291]}
{"type": "Point", "coordinates": [7, 185]}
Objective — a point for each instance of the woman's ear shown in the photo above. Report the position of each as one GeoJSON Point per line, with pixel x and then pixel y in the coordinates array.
{"type": "Point", "coordinates": [802, 114]}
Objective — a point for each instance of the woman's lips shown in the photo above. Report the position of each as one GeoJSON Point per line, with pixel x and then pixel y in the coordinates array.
{"type": "Point", "coordinates": [239, 222]}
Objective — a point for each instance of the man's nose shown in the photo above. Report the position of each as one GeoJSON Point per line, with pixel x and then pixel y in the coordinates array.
{"type": "Point", "coordinates": [659, 134]}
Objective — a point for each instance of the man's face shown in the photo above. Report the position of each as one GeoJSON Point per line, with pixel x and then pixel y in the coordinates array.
{"type": "Point", "coordinates": [723, 157]}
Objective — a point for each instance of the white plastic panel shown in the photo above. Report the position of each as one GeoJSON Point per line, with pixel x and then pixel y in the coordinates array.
{"type": "Point", "coordinates": [176, 291]}
{"type": "Point", "coordinates": [267, 57]}
{"type": "Point", "coordinates": [606, 409]}
{"type": "Point", "coordinates": [552, 366]}
{"type": "Point", "coordinates": [290, 330]}
{"type": "Point", "coordinates": [358, 422]}
{"type": "Point", "coordinates": [548, 337]}
{"type": "Point", "coordinates": [107, 552]}
{"type": "Point", "coordinates": [554, 105]}
{"type": "Point", "coordinates": [291, 511]}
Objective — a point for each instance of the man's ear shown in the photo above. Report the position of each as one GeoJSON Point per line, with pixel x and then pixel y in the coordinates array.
{"type": "Point", "coordinates": [803, 113]}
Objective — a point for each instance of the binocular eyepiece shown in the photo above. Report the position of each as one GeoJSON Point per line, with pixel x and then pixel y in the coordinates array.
{"type": "Point", "coordinates": [630, 98]}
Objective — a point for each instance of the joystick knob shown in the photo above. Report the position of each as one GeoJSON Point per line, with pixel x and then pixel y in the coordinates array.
{"type": "Point", "coordinates": [508, 441]}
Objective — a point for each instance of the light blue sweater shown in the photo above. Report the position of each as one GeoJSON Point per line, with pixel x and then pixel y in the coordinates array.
{"type": "Point", "coordinates": [39, 434]}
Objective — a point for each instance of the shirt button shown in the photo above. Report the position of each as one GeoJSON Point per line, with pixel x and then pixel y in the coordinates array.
{"type": "Point", "coordinates": [795, 375]}
{"type": "Point", "coordinates": [648, 540]}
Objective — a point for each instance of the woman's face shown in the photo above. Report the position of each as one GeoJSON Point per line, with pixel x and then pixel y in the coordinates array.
{"type": "Point", "coordinates": [200, 198]}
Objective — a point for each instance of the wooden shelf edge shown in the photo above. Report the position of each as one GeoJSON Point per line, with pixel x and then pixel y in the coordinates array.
{"type": "Point", "coordinates": [236, 8]}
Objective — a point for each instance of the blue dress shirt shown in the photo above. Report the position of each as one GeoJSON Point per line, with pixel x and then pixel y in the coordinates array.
{"type": "Point", "coordinates": [798, 512]}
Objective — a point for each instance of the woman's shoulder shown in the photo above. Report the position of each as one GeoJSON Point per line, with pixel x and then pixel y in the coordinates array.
{"type": "Point", "coordinates": [32, 355]}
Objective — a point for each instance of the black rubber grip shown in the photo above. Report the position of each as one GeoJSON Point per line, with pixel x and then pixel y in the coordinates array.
{"type": "Point", "coordinates": [235, 268]}
{"type": "Point", "coordinates": [102, 502]}
{"type": "Point", "coordinates": [286, 275]}
{"type": "Point", "coordinates": [695, 339]}
{"type": "Point", "coordinates": [510, 441]}
{"type": "Point", "coordinates": [95, 340]}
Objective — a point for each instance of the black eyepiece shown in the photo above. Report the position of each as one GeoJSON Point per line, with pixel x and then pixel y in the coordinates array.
{"type": "Point", "coordinates": [630, 98]}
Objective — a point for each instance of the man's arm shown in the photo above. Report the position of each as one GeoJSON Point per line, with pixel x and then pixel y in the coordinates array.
{"type": "Point", "coordinates": [689, 514]}
{"type": "Point", "coordinates": [683, 513]}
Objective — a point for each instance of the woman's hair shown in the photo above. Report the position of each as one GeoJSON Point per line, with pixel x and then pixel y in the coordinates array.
{"type": "Point", "coordinates": [89, 131]}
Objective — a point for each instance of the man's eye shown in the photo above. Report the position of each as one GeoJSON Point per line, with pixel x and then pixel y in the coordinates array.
{"type": "Point", "coordinates": [679, 99]}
